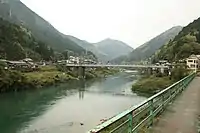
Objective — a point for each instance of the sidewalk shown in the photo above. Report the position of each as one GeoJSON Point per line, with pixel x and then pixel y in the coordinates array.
{"type": "Point", "coordinates": [182, 115]}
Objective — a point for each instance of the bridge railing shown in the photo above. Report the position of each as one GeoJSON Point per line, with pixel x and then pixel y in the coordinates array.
{"type": "Point", "coordinates": [112, 65]}
{"type": "Point", "coordinates": [139, 118]}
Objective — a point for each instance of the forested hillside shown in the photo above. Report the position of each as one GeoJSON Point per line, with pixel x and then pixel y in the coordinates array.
{"type": "Point", "coordinates": [146, 50]}
{"type": "Point", "coordinates": [16, 42]}
{"type": "Point", "coordinates": [113, 48]}
{"type": "Point", "coordinates": [16, 12]}
{"type": "Point", "coordinates": [104, 50]}
{"type": "Point", "coordinates": [187, 42]}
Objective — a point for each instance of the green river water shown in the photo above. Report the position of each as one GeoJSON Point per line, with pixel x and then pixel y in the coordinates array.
{"type": "Point", "coordinates": [74, 107]}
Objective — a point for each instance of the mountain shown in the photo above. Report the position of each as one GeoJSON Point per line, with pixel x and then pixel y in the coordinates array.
{"type": "Point", "coordinates": [187, 42]}
{"type": "Point", "coordinates": [105, 50]}
{"type": "Point", "coordinates": [89, 47]}
{"type": "Point", "coordinates": [16, 12]}
{"type": "Point", "coordinates": [113, 48]}
{"type": "Point", "coordinates": [147, 49]}
{"type": "Point", "coordinates": [17, 42]}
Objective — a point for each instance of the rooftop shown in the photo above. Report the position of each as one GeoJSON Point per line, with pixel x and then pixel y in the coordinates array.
{"type": "Point", "coordinates": [194, 56]}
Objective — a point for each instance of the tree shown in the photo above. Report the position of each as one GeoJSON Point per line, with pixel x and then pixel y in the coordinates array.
{"type": "Point", "coordinates": [179, 72]}
{"type": "Point", "coordinates": [66, 54]}
{"type": "Point", "coordinates": [16, 42]}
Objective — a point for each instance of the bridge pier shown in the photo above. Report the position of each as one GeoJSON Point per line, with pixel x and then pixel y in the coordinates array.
{"type": "Point", "coordinates": [81, 72]}
{"type": "Point", "coordinates": [162, 70]}
{"type": "Point", "coordinates": [79, 69]}
{"type": "Point", "coordinates": [149, 71]}
{"type": "Point", "coordinates": [82, 88]}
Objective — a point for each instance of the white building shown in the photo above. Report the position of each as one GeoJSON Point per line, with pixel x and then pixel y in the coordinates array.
{"type": "Point", "coordinates": [163, 63]}
{"type": "Point", "coordinates": [193, 62]}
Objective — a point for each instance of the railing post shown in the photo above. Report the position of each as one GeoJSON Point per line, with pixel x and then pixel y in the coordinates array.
{"type": "Point", "coordinates": [184, 85]}
{"type": "Point", "coordinates": [170, 95]}
{"type": "Point", "coordinates": [130, 126]}
{"type": "Point", "coordinates": [163, 100]}
{"type": "Point", "coordinates": [151, 112]}
{"type": "Point", "coordinates": [179, 88]}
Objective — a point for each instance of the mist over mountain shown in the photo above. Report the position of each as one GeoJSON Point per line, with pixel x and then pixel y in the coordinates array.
{"type": "Point", "coordinates": [16, 12]}
{"type": "Point", "coordinates": [145, 51]}
{"type": "Point", "coordinates": [186, 43]}
{"type": "Point", "coordinates": [113, 48]}
{"type": "Point", "coordinates": [105, 50]}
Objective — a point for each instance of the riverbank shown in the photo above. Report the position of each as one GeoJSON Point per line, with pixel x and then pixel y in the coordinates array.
{"type": "Point", "coordinates": [74, 101]}
{"type": "Point", "coordinates": [151, 85]}
{"type": "Point", "coordinates": [44, 76]}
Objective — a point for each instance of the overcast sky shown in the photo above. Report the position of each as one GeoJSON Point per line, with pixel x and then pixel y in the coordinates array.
{"type": "Point", "coordinates": [131, 21]}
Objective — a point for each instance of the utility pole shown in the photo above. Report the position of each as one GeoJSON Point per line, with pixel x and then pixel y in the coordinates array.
{"type": "Point", "coordinates": [196, 63]}
{"type": "Point", "coordinates": [195, 67]}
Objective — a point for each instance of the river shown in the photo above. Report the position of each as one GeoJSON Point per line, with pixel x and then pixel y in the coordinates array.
{"type": "Point", "coordinates": [68, 108]}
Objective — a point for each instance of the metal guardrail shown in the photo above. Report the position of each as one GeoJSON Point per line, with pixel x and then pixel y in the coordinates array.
{"type": "Point", "coordinates": [140, 117]}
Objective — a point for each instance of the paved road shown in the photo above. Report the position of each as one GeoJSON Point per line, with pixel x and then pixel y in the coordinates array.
{"type": "Point", "coordinates": [181, 116]}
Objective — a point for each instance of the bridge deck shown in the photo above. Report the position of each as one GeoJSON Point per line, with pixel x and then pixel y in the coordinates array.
{"type": "Point", "coordinates": [182, 115]}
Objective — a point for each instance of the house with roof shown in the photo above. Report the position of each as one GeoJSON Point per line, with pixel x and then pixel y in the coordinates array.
{"type": "Point", "coordinates": [193, 62]}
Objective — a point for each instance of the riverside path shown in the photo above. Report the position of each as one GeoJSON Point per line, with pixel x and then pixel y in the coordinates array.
{"type": "Point", "coordinates": [173, 110]}
{"type": "Point", "coordinates": [181, 116]}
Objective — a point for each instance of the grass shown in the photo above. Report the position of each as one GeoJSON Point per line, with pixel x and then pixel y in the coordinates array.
{"type": "Point", "coordinates": [44, 76]}
{"type": "Point", "coordinates": [105, 71]}
{"type": "Point", "coordinates": [48, 68]}
{"type": "Point", "coordinates": [151, 85]}
{"type": "Point", "coordinates": [47, 75]}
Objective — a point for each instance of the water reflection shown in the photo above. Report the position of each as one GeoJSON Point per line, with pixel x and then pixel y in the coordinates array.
{"type": "Point", "coordinates": [19, 108]}
{"type": "Point", "coordinates": [82, 88]}
{"type": "Point", "coordinates": [62, 108]}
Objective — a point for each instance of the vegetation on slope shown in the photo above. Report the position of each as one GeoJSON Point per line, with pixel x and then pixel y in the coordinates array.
{"type": "Point", "coordinates": [149, 85]}
{"type": "Point", "coordinates": [144, 51]}
{"type": "Point", "coordinates": [105, 50]}
{"type": "Point", "coordinates": [16, 42]}
{"type": "Point", "coordinates": [187, 42]}
{"type": "Point", "coordinates": [89, 47]}
{"type": "Point", "coordinates": [46, 75]}
{"type": "Point", "coordinates": [14, 80]}
{"type": "Point", "coordinates": [147, 49]}
{"type": "Point", "coordinates": [113, 48]}
{"type": "Point", "coordinates": [16, 12]}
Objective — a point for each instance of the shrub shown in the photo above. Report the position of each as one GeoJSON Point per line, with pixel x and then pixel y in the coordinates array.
{"type": "Point", "coordinates": [179, 72]}
{"type": "Point", "coordinates": [151, 85]}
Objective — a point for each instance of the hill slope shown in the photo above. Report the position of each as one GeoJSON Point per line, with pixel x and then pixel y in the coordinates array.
{"type": "Point", "coordinates": [16, 12]}
{"type": "Point", "coordinates": [113, 48]}
{"type": "Point", "coordinates": [147, 49]}
{"type": "Point", "coordinates": [105, 50]}
{"type": "Point", "coordinates": [16, 42]}
{"type": "Point", "coordinates": [89, 47]}
{"type": "Point", "coordinates": [187, 42]}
